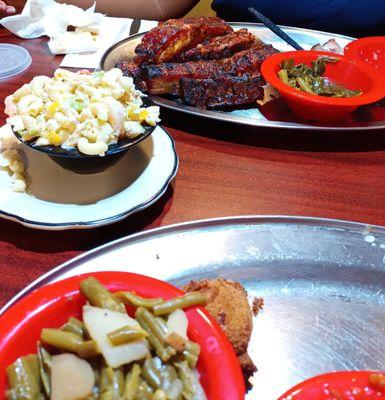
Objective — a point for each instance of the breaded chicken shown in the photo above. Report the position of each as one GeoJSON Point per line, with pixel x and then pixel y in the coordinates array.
{"type": "Point", "coordinates": [228, 304]}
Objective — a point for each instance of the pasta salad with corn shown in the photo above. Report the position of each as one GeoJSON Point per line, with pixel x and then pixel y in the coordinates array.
{"type": "Point", "coordinates": [110, 355]}
{"type": "Point", "coordinates": [89, 111]}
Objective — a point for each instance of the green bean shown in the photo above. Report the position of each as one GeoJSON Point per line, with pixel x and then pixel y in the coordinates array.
{"type": "Point", "coordinates": [62, 340]}
{"type": "Point", "coordinates": [186, 378]}
{"type": "Point", "coordinates": [151, 373]}
{"type": "Point", "coordinates": [191, 353]}
{"type": "Point", "coordinates": [118, 382]}
{"type": "Point", "coordinates": [87, 349]}
{"type": "Point", "coordinates": [188, 300]}
{"type": "Point", "coordinates": [75, 326]}
{"type": "Point", "coordinates": [24, 379]}
{"type": "Point", "coordinates": [99, 296]}
{"type": "Point", "coordinates": [106, 395]}
{"type": "Point", "coordinates": [126, 334]}
{"type": "Point", "coordinates": [160, 394]}
{"type": "Point", "coordinates": [156, 327]}
{"type": "Point", "coordinates": [45, 362]}
{"type": "Point", "coordinates": [137, 301]}
{"type": "Point", "coordinates": [176, 341]}
{"type": "Point", "coordinates": [132, 383]}
{"type": "Point", "coordinates": [111, 383]}
{"type": "Point", "coordinates": [169, 373]}
{"type": "Point", "coordinates": [105, 382]}
{"type": "Point", "coordinates": [145, 391]}
{"type": "Point", "coordinates": [162, 325]}
{"type": "Point", "coordinates": [165, 353]}
{"type": "Point", "coordinates": [69, 342]}
{"type": "Point", "coordinates": [95, 364]}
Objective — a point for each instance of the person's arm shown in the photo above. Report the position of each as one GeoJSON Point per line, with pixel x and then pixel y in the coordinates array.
{"type": "Point", "coordinates": [145, 9]}
{"type": "Point", "coordinates": [6, 10]}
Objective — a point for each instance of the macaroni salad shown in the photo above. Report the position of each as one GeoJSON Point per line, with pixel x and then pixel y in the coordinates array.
{"type": "Point", "coordinates": [85, 110]}
{"type": "Point", "coordinates": [11, 161]}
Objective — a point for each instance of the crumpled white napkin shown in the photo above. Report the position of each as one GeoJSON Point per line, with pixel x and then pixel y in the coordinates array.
{"type": "Point", "coordinates": [112, 30]}
{"type": "Point", "coordinates": [46, 17]}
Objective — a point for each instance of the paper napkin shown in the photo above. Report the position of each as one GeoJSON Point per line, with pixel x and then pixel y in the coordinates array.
{"type": "Point", "coordinates": [112, 30]}
{"type": "Point", "coordinates": [46, 17]}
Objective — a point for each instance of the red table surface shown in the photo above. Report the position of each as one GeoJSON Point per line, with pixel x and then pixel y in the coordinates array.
{"type": "Point", "coordinates": [225, 170]}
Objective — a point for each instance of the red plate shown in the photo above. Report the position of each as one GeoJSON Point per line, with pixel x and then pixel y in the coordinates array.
{"type": "Point", "coordinates": [370, 50]}
{"type": "Point", "coordinates": [51, 306]}
{"type": "Point", "coordinates": [350, 385]}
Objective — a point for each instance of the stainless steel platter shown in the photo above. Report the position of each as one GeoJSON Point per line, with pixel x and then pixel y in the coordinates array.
{"type": "Point", "coordinates": [274, 114]}
{"type": "Point", "coordinates": [323, 282]}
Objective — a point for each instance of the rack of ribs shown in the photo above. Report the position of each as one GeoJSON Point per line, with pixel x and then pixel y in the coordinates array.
{"type": "Point", "coordinates": [222, 92]}
{"type": "Point", "coordinates": [219, 47]}
{"type": "Point", "coordinates": [164, 78]}
{"type": "Point", "coordinates": [172, 37]}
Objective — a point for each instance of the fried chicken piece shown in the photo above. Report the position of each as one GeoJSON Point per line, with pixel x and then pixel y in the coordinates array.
{"type": "Point", "coordinates": [228, 304]}
{"type": "Point", "coordinates": [170, 38]}
{"type": "Point", "coordinates": [219, 47]}
{"type": "Point", "coordinates": [247, 366]}
{"type": "Point", "coordinates": [227, 91]}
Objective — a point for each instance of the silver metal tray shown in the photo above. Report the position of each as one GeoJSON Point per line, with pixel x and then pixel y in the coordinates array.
{"type": "Point", "coordinates": [274, 114]}
{"type": "Point", "coordinates": [323, 282]}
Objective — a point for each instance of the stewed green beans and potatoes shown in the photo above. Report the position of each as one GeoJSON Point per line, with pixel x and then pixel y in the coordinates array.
{"type": "Point", "coordinates": [112, 356]}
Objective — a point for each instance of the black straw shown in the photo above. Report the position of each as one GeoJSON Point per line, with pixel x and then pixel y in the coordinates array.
{"type": "Point", "coordinates": [275, 28]}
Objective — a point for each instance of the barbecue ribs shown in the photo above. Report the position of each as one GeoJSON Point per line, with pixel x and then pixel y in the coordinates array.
{"type": "Point", "coordinates": [201, 60]}
{"type": "Point", "coordinates": [164, 78]}
{"type": "Point", "coordinates": [219, 47]}
{"type": "Point", "coordinates": [226, 91]}
{"type": "Point", "coordinates": [170, 38]}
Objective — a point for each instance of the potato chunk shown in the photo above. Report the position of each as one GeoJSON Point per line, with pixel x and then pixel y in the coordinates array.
{"type": "Point", "coordinates": [100, 322]}
{"type": "Point", "coordinates": [72, 378]}
{"type": "Point", "coordinates": [177, 322]}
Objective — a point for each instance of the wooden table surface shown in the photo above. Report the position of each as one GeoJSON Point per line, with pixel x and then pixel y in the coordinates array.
{"type": "Point", "coordinates": [225, 170]}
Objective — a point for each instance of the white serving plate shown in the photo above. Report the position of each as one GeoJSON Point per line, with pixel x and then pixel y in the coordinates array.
{"type": "Point", "coordinates": [60, 199]}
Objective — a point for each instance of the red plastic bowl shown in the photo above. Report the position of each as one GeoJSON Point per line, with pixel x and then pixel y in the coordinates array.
{"type": "Point", "coordinates": [351, 74]}
{"type": "Point", "coordinates": [51, 306]}
{"type": "Point", "coordinates": [370, 50]}
{"type": "Point", "coordinates": [352, 385]}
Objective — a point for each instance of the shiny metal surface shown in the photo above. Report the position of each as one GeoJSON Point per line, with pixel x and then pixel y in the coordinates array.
{"type": "Point", "coordinates": [274, 114]}
{"type": "Point", "coordinates": [323, 282]}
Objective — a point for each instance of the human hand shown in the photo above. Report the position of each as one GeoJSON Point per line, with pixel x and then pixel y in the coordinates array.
{"type": "Point", "coordinates": [6, 10]}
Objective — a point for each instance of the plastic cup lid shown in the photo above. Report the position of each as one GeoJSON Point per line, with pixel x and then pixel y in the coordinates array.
{"type": "Point", "coordinates": [13, 60]}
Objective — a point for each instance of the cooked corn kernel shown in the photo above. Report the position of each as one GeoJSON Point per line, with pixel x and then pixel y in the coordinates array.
{"type": "Point", "coordinates": [54, 138]}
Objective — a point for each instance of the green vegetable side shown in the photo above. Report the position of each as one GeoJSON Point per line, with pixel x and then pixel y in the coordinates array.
{"type": "Point", "coordinates": [310, 79]}
{"type": "Point", "coordinates": [111, 356]}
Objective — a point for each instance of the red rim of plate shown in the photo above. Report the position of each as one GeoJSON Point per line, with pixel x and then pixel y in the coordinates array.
{"type": "Point", "coordinates": [332, 378]}
{"type": "Point", "coordinates": [377, 93]}
{"type": "Point", "coordinates": [223, 377]}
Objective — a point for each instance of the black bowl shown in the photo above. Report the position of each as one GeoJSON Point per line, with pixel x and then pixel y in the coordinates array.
{"type": "Point", "coordinates": [80, 163]}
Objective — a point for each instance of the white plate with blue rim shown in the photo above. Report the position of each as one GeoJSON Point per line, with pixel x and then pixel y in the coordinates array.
{"type": "Point", "coordinates": [59, 199]}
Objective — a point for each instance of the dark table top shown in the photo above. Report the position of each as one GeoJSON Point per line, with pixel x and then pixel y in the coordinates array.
{"type": "Point", "coordinates": [225, 170]}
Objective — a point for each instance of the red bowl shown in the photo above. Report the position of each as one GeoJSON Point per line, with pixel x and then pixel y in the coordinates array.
{"type": "Point", "coordinates": [351, 74]}
{"type": "Point", "coordinates": [52, 305]}
{"type": "Point", "coordinates": [351, 385]}
{"type": "Point", "coordinates": [370, 50]}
